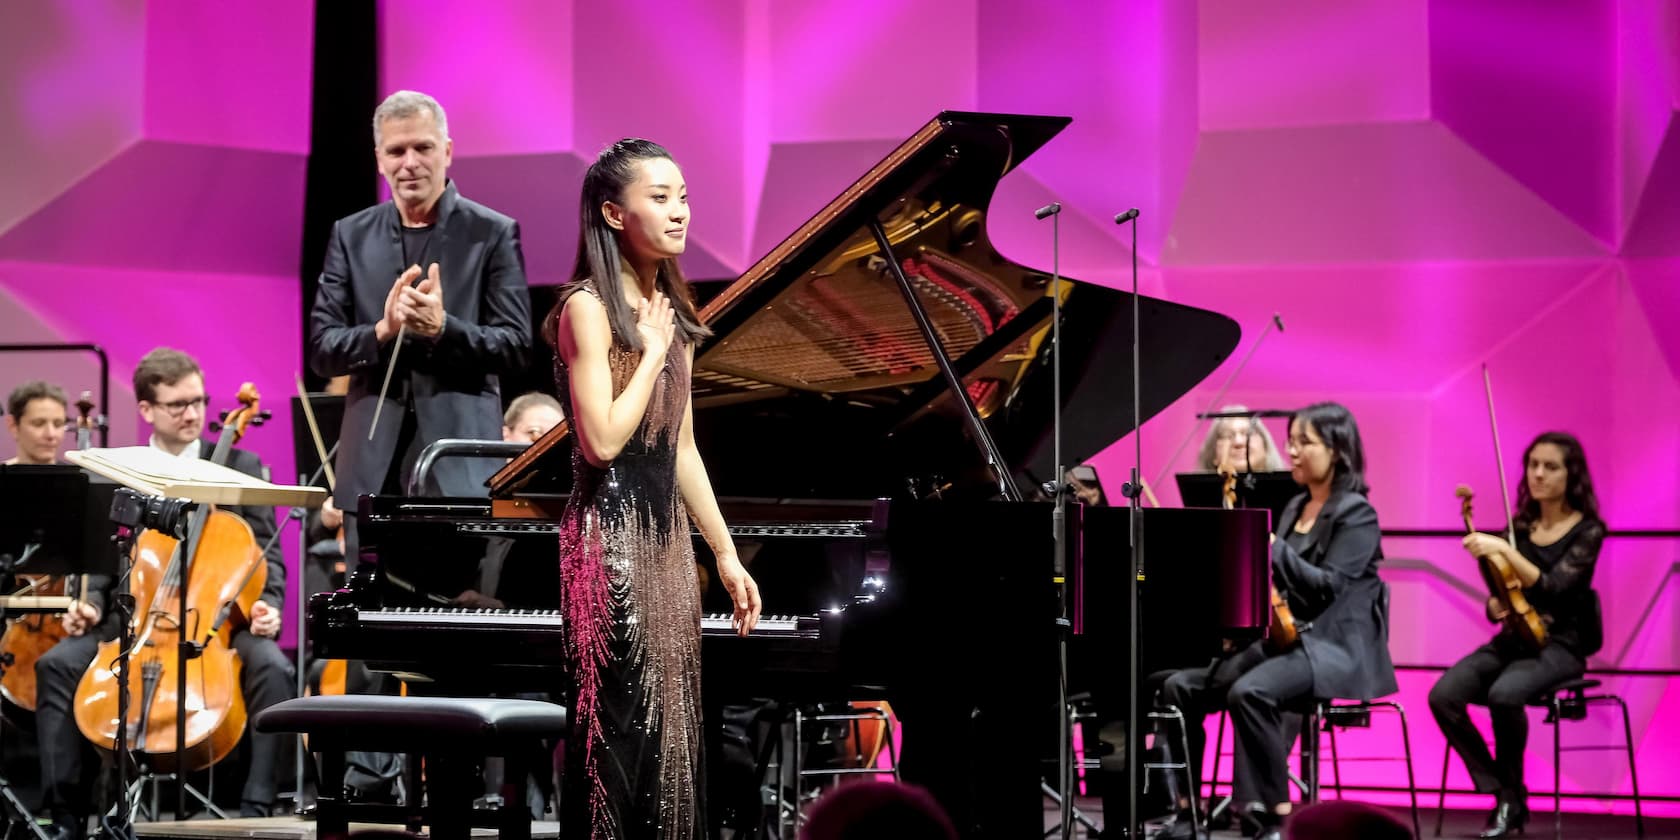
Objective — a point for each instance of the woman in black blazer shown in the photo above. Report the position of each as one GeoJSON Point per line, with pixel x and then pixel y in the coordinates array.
{"type": "Point", "coordinates": [1324, 561]}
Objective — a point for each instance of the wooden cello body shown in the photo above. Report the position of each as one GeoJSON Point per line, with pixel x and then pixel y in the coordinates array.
{"type": "Point", "coordinates": [225, 577]}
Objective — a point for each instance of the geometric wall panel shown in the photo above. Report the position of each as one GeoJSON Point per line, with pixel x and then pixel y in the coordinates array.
{"type": "Point", "coordinates": [173, 206]}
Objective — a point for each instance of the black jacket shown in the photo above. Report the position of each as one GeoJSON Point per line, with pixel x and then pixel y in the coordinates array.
{"type": "Point", "coordinates": [1333, 583]}
{"type": "Point", "coordinates": [452, 381]}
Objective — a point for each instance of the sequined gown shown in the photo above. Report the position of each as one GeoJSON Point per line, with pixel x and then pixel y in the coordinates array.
{"type": "Point", "coordinates": [628, 591]}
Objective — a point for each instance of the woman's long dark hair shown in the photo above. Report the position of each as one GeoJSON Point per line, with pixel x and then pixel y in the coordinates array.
{"type": "Point", "coordinates": [1577, 490]}
{"type": "Point", "coordinates": [599, 257]}
{"type": "Point", "coordinates": [1335, 426]}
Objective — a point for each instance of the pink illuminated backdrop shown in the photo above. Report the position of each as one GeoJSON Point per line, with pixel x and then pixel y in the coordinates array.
{"type": "Point", "coordinates": [1417, 187]}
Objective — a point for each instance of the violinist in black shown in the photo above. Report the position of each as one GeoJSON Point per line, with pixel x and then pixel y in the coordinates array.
{"type": "Point", "coordinates": [1558, 535]}
{"type": "Point", "coordinates": [1324, 560]}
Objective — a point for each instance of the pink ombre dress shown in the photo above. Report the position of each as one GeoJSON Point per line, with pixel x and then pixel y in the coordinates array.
{"type": "Point", "coordinates": [630, 597]}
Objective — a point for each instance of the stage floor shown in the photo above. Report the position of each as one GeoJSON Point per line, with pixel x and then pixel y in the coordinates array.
{"type": "Point", "coordinates": [1458, 824]}
{"type": "Point", "coordinates": [284, 828]}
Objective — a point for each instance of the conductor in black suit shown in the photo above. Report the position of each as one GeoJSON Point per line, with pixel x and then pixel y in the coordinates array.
{"type": "Point", "coordinates": [436, 280]}
{"type": "Point", "coordinates": [1324, 561]}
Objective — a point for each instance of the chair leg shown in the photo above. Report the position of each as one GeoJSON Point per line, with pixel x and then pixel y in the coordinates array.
{"type": "Point", "coordinates": [798, 768]}
{"type": "Point", "coordinates": [1411, 777]}
{"type": "Point", "coordinates": [1557, 768]}
{"type": "Point", "coordinates": [331, 820]}
{"type": "Point", "coordinates": [1335, 761]}
{"type": "Point", "coordinates": [1441, 800]}
{"type": "Point", "coordinates": [1196, 815]}
{"type": "Point", "coordinates": [1218, 748]}
{"type": "Point", "coordinates": [1633, 771]}
{"type": "Point", "coordinates": [514, 815]}
{"type": "Point", "coordinates": [1309, 753]}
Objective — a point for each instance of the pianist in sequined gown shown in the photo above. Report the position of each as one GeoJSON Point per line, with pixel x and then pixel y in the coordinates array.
{"type": "Point", "coordinates": [624, 333]}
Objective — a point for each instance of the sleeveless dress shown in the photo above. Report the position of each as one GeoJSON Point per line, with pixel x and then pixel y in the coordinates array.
{"type": "Point", "coordinates": [629, 596]}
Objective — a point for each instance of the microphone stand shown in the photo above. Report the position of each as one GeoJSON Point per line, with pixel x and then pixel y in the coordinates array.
{"type": "Point", "coordinates": [1277, 322]}
{"type": "Point", "coordinates": [1132, 490]}
{"type": "Point", "coordinates": [1058, 527]}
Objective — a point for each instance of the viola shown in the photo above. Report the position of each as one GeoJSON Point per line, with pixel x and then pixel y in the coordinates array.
{"type": "Point", "coordinates": [227, 574]}
{"type": "Point", "coordinates": [1502, 582]}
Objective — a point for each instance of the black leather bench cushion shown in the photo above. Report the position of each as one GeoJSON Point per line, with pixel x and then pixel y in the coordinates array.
{"type": "Point", "coordinates": [414, 724]}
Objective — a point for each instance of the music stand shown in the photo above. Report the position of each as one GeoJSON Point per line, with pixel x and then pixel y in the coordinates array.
{"type": "Point", "coordinates": [56, 509]}
{"type": "Point", "coordinates": [1265, 490]}
{"type": "Point", "coordinates": [42, 529]}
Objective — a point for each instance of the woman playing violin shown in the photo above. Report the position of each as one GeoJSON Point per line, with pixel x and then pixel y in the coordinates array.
{"type": "Point", "coordinates": [1324, 560]}
{"type": "Point", "coordinates": [1558, 535]}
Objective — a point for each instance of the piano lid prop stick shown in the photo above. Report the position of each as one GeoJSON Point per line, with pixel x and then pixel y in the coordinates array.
{"type": "Point", "coordinates": [315, 432]}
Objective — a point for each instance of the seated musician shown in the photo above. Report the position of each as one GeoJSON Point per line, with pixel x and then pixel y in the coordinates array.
{"type": "Point", "coordinates": [1324, 560]}
{"type": "Point", "coordinates": [36, 415]}
{"type": "Point", "coordinates": [530, 416]}
{"type": "Point", "coordinates": [1242, 442]}
{"type": "Point", "coordinates": [170, 389]}
{"type": "Point", "coordinates": [1558, 538]}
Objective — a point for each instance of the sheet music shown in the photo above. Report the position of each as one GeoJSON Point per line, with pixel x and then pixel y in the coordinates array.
{"type": "Point", "coordinates": [155, 472]}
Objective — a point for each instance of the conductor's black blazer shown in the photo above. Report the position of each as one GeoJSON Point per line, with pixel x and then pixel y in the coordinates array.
{"type": "Point", "coordinates": [452, 381]}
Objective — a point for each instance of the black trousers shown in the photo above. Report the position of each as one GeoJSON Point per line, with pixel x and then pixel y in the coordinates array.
{"type": "Point", "coordinates": [1503, 676]}
{"type": "Point", "coordinates": [62, 747]}
{"type": "Point", "coordinates": [1256, 688]}
{"type": "Point", "coordinates": [265, 680]}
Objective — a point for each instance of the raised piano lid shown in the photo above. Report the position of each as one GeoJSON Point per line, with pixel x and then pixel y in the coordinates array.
{"type": "Point", "coordinates": [814, 351]}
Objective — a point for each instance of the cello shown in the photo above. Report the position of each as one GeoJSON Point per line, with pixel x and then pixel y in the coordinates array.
{"type": "Point", "coordinates": [226, 575]}
{"type": "Point", "coordinates": [29, 638]}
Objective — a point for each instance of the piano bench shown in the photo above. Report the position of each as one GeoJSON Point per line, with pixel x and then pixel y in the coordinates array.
{"type": "Point", "coordinates": [452, 734]}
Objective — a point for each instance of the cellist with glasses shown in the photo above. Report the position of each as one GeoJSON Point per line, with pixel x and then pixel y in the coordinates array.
{"type": "Point", "coordinates": [1557, 534]}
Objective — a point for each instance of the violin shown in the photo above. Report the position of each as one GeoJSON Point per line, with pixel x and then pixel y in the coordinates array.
{"type": "Point", "coordinates": [30, 637]}
{"type": "Point", "coordinates": [1502, 581]}
{"type": "Point", "coordinates": [1501, 578]}
{"type": "Point", "coordinates": [1281, 632]}
{"type": "Point", "coordinates": [227, 574]}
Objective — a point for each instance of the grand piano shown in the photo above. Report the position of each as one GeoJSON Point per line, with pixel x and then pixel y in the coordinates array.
{"type": "Point", "coordinates": [896, 526]}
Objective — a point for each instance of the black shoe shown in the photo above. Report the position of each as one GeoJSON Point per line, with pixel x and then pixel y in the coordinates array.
{"type": "Point", "coordinates": [255, 809]}
{"type": "Point", "coordinates": [1508, 817]}
{"type": "Point", "coordinates": [67, 830]}
{"type": "Point", "coordinates": [1270, 825]}
{"type": "Point", "coordinates": [1182, 828]}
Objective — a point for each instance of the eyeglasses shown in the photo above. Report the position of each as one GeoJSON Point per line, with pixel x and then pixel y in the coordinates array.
{"type": "Point", "coordinates": [179, 407]}
{"type": "Point", "coordinates": [1303, 443]}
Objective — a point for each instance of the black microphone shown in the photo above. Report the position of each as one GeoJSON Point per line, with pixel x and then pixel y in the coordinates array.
{"type": "Point", "coordinates": [1278, 320]}
{"type": "Point", "coordinates": [1126, 216]}
{"type": "Point", "coordinates": [1050, 209]}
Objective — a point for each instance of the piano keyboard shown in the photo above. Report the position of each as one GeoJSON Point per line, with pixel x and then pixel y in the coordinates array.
{"type": "Point", "coordinates": [711, 624]}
